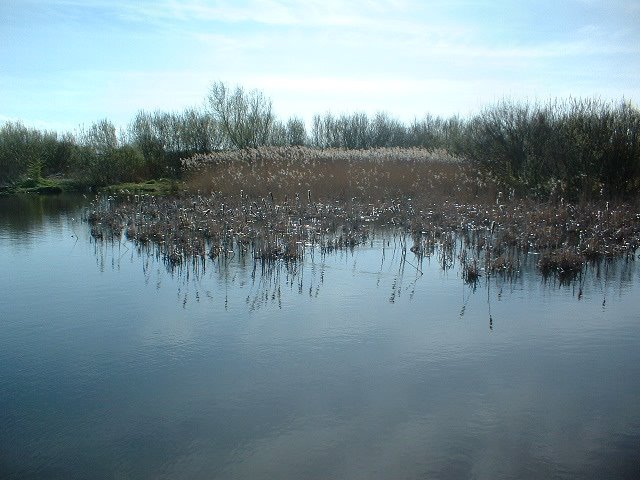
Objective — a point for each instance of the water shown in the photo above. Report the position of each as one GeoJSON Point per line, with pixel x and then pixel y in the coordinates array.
{"type": "Point", "coordinates": [350, 365]}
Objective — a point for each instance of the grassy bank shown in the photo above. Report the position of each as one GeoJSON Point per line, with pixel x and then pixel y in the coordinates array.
{"type": "Point", "coordinates": [44, 186]}
{"type": "Point", "coordinates": [162, 186]}
{"type": "Point", "coordinates": [55, 186]}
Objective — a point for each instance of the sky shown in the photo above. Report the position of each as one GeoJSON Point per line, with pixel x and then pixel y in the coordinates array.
{"type": "Point", "coordinates": [67, 63]}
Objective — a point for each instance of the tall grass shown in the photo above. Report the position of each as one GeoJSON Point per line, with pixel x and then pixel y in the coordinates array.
{"type": "Point", "coordinates": [376, 175]}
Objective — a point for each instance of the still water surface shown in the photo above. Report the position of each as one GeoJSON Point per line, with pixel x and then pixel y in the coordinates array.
{"type": "Point", "coordinates": [351, 365]}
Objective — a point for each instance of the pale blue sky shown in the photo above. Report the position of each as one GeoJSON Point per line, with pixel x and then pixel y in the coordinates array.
{"type": "Point", "coordinates": [69, 62]}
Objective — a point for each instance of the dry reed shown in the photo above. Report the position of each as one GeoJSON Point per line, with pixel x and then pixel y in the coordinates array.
{"type": "Point", "coordinates": [273, 203]}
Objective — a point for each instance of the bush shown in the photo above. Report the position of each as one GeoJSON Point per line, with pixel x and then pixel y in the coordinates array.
{"type": "Point", "coordinates": [577, 148]}
{"type": "Point", "coordinates": [123, 164]}
{"type": "Point", "coordinates": [32, 153]}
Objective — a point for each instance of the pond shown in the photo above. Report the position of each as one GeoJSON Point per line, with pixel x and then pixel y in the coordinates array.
{"type": "Point", "coordinates": [358, 364]}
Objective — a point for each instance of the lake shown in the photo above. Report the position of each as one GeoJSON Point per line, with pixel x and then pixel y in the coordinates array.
{"type": "Point", "coordinates": [357, 364]}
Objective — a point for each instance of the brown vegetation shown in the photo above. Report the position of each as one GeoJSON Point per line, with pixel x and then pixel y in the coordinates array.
{"type": "Point", "coordinates": [274, 203]}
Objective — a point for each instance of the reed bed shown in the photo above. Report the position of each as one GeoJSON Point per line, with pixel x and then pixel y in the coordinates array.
{"type": "Point", "coordinates": [493, 238]}
{"type": "Point", "coordinates": [215, 226]}
{"type": "Point", "coordinates": [374, 175]}
{"type": "Point", "coordinates": [275, 204]}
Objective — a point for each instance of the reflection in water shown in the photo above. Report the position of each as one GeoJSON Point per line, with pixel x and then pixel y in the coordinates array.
{"type": "Point", "coordinates": [368, 362]}
{"type": "Point", "coordinates": [26, 218]}
{"type": "Point", "coordinates": [399, 272]}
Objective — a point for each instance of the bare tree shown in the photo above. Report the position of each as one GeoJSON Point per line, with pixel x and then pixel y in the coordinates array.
{"type": "Point", "coordinates": [387, 131]}
{"type": "Point", "coordinates": [245, 118]}
{"type": "Point", "coordinates": [296, 132]}
{"type": "Point", "coordinates": [100, 137]}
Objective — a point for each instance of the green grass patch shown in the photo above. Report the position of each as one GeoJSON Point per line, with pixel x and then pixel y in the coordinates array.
{"type": "Point", "coordinates": [162, 186]}
{"type": "Point", "coordinates": [42, 186]}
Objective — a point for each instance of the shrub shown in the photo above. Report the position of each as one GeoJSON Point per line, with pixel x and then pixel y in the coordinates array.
{"type": "Point", "coordinates": [32, 153]}
{"type": "Point", "coordinates": [123, 164]}
{"type": "Point", "coordinates": [588, 147]}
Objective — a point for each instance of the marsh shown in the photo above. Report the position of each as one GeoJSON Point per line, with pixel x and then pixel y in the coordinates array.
{"type": "Point", "coordinates": [360, 362]}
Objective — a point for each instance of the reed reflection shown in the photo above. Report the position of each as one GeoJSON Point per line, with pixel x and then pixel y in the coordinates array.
{"type": "Point", "coordinates": [263, 273]}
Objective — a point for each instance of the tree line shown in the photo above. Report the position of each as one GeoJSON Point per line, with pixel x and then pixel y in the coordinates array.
{"type": "Point", "coordinates": [566, 147]}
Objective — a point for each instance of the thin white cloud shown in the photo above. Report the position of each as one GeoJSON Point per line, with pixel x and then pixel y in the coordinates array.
{"type": "Point", "coordinates": [405, 98]}
{"type": "Point", "coordinates": [270, 12]}
{"type": "Point", "coordinates": [403, 56]}
{"type": "Point", "coordinates": [318, 13]}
